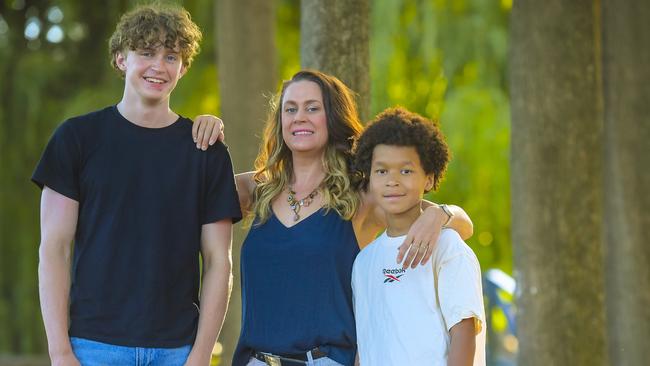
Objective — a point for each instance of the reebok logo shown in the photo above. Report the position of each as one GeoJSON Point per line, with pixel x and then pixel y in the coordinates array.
{"type": "Point", "coordinates": [392, 275]}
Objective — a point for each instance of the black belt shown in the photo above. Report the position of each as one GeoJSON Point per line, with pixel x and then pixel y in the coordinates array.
{"type": "Point", "coordinates": [288, 359]}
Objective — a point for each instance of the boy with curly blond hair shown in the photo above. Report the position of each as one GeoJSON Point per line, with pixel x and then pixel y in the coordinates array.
{"type": "Point", "coordinates": [140, 202]}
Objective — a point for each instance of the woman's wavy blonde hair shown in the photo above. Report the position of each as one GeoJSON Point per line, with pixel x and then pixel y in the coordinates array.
{"type": "Point", "coordinates": [273, 166]}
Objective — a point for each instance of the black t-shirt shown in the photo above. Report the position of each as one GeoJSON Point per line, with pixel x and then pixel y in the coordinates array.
{"type": "Point", "coordinates": [143, 195]}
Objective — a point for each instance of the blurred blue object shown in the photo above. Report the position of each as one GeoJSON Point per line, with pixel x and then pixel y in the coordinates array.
{"type": "Point", "coordinates": [498, 289]}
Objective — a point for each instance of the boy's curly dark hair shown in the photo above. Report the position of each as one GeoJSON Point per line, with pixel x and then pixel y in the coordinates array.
{"type": "Point", "coordinates": [400, 127]}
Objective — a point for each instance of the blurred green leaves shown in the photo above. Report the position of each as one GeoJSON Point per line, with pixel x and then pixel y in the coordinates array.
{"type": "Point", "coordinates": [444, 59]}
{"type": "Point", "coordinates": [447, 60]}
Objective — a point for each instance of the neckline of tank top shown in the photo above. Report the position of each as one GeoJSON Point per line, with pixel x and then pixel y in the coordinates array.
{"type": "Point", "coordinates": [306, 218]}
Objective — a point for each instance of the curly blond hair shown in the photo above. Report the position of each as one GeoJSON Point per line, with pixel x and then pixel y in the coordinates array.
{"type": "Point", "coordinates": [273, 166]}
{"type": "Point", "coordinates": [155, 25]}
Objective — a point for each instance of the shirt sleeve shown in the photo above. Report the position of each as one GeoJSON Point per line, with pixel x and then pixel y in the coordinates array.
{"type": "Point", "coordinates": [58, 167]}
{"type": "Point", "coordinates": [222, 200]}
{"type": "Point", "coordinates": [459, 288]}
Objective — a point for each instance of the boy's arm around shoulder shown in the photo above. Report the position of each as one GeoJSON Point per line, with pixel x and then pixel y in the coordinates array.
{"type": "Point", "coordinates": [59, 216]}
{"type": "Point", "coordinates": [216, 284]}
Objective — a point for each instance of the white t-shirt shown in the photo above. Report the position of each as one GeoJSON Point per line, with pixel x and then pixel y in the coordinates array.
{"type": "Point", "coordinates": [403, 317]}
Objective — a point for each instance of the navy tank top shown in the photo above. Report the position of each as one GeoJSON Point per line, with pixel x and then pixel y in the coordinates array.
{"type": "Point", "coordinates": [296, 289]}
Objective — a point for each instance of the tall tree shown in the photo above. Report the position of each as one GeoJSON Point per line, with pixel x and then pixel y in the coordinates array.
{"type": "Point", "coordinates": [556, 180]}
{"type": "Point", "coordinates": [247, 76]}
{"type": "Point", "coordinates": [334, 39]}
{"type": "Point", "coordinates": [626, 46]}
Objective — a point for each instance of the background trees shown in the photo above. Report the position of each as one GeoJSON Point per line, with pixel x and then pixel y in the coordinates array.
{"type": "Point", "coordinates": [578, 80]}
{"type": "Point", "coordinates": [580, 197]}
{"type": "Point", "coordinates": [421, 54]}
{"type": "Point", "coordinates": [557, 136]}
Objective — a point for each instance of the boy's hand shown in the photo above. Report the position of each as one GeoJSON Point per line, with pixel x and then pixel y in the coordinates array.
{"type": "Point", "coordinates": [422, 237]}
{"type": "Point", "coordinates": [207, 129]}
{"type": "Point", "coordinates": [67, 359]}
{"type": "Point", "coordinates": [195, 360]}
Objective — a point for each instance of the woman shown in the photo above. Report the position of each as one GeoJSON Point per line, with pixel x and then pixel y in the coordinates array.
{"type": "Point", "coordinates": [309, 222]}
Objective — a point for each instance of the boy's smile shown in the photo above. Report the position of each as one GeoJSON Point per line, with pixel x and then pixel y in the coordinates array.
{"type": "Point", "coordinates": [397, 181]}
{"type": "Point", "coordinates": [151, 74]}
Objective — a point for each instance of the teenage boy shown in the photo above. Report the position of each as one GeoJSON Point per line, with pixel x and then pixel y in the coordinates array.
{"type": "Point", "coordinates": [128, 185]}
{"type": "Point", "coordinates": [429, 315]}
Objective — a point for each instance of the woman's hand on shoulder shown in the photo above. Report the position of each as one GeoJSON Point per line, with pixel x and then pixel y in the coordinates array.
{"type": "Point", "coordinates": [422, 237]}
{"type": "Point", "coordinates": [207, 129]}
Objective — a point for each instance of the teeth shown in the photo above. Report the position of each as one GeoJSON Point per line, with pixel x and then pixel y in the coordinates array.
{"type": "Point", "coordinates": [302, 133]}
{"type": "Point", "coordinates": [154, 80]}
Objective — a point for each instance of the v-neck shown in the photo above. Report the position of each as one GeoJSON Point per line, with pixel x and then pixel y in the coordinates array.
{"type": "Point", "coordinates": [308, 217]}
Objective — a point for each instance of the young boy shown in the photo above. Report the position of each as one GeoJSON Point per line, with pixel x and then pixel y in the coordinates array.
{"type": "Point", "coordinates": [433, 314]}
{"type": "Point", "coordinates": [128, 185]}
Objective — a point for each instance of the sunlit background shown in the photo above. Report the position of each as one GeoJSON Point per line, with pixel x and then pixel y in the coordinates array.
{"type": "Point", "coordinates": [444, 59]}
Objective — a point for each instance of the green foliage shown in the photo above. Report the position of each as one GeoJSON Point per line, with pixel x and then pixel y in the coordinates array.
{"type": "Point", "coordinates": [446, 60]}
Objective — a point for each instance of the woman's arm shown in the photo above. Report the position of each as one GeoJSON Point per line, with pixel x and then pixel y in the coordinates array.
{"type": "Point", "coordinates": [460, 222]}
{"type": "Point", "coordinates": [423, 235]}
{"type": "Point", "coordinates": [245, 189]}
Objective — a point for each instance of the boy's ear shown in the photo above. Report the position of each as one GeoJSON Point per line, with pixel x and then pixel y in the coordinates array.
{"type": "Point", "coordinates": [429, 183]}
{"type": "Point", "coordinates": [120, 61]}
{"type": "Point", "coordinates": [183, 70]}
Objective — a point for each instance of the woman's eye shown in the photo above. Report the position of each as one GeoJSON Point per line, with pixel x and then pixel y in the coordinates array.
{"type": "Point", "coordinates": [406, 171]}
{"type": "Point", "coordinates": [312, 109]}
{"type": "Point", "coordinates": [290, 109]}
{"type": "Point", "coordinates": [380, 171]}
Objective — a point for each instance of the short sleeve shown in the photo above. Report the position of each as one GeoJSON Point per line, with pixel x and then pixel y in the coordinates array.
{"type": "Point", "coordinates": [459, 288]}
{"type": "Point", "coordinates": [59, 165]}
{"type": "Point", "coordinates": [221, 198]}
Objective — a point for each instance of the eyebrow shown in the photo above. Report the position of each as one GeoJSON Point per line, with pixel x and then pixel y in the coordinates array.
{"type": "Point", "coordinates": [402, 163]}
{"type": "Point", "coordinates": [305, 102]}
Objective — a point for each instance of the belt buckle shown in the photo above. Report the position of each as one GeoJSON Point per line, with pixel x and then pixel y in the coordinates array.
{"type": "Point", "coordinates": [272, 360]}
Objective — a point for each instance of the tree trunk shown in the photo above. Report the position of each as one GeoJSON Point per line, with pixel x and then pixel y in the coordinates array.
{"type": "Point", "coordinates": [626, 46]}
{"type": "Point", "coordinates": [334, 39]}
{"type": "Point", "coordinates": [247, 76]}
{"type": "Point", "coordinates": [557, 172]}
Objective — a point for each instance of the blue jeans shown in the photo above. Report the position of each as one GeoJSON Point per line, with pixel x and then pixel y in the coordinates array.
{"type": "Point", "coordinates": [92, 353]}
